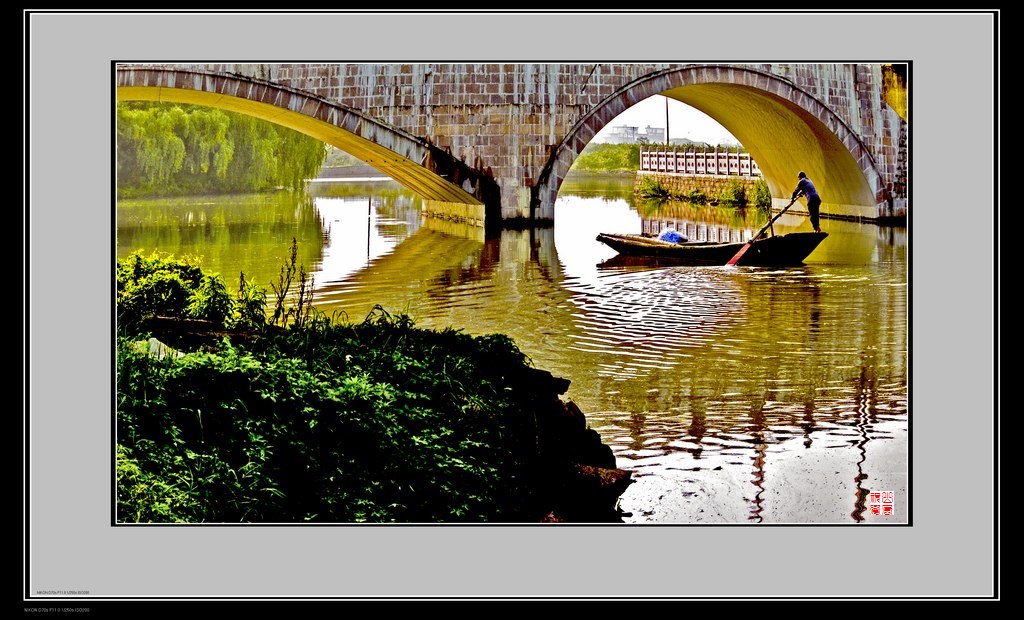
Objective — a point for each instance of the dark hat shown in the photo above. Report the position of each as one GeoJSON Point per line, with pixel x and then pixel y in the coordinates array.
{"type": "Point", "coordinates": [802, 175]}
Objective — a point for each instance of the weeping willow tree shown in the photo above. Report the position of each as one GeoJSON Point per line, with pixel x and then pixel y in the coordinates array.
{"type": "Point", "coordinates": [180, 149]}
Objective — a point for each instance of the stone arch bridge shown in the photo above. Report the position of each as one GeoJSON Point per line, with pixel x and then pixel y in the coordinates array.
{"type": "Point", "coordinates": [494, 141]}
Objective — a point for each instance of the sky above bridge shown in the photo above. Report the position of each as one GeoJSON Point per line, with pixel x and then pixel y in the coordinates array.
{"type": "Point", "coordinates": [683, 121]}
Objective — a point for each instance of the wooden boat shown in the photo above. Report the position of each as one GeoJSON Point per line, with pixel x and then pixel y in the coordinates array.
{"type": "Point", "coordinates": [780, 251]}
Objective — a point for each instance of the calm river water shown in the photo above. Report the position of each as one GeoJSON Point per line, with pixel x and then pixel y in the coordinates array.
{"type": "Point", "coordinates": [735, 395]}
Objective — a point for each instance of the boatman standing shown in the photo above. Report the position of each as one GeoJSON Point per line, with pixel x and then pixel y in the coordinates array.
{"type": "Point", "coordinates": [805, 187]}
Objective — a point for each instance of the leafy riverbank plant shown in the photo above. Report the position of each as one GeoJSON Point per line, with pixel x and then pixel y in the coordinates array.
{"type": "Point", "coordinates": [695, 196]}
{"type": "Point", "coordinates": [315, 420]}
{"type": "Point", "coordinates": [162, 285]}
{"type": "Point", "coordinates": [734, 194]}
{"type": "Point", "coordinates": [762, 196]}
{"type": "Point", "coordinates": [652, 189]}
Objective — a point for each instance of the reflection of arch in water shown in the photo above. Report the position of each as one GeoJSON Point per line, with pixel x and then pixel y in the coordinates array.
{"type": "Point", "coordinates": [435, 247]}
{"type": "Point", "coordinates": [432, 273]}
{"type": "Point", "coordinates": [522, 264]}
{"type": "Point", "coordinates": [615, 324]}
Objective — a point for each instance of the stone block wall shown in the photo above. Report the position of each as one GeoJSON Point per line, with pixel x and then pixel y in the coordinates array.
{"type": "Point", "coordinates": [713, 185]}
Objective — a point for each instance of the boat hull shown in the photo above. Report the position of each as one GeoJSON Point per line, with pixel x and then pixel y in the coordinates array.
{"type": "Point", "coordinates": [779, 251]}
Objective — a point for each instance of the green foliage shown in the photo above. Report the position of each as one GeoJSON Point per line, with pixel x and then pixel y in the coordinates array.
{"type": "Point", "coordinates": [651, 188]}
{"type": "Point", "coordinates": [162, 285]}
{"type": "Point", "coordinates": [762, 196]}
{"type": "Point", "coordinates": [735, 194]}
{"type": "Point", "coordinates": [250, 304]}
{"type": "Point", "coordinates": [144, 496]}
{"type": "Point", "coordinates": [695, 196]}
{"type": "Point", "coordinates": [177, 149]}
{"type": "Point", "coordinates": [211, 300]}
{"type": "Point", "coordinates": [377, 421]}
{"type": "Point", "coordinates": [604, 157]}
{"type": "Point", "coordinates": [322, 421]}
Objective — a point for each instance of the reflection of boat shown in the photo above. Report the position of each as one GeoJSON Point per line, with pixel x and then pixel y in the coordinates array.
{"type": "Point", "coordinates": [781, 250]}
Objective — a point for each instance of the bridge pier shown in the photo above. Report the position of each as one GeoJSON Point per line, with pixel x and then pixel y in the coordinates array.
{"type": "Point", "coordinates": [517, 202]}
{"type": "Point", "coordinates": [519, 205]}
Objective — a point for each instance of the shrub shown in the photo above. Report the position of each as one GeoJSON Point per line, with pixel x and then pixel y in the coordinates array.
{"type": "Point", "coordinates": [165, 286]}
{"type": "Point", "coordinates": [735, 194]}
{"type": "Point", "coordinates": [161, 285]}
{"type": "Point", "coordinates": [651, 188]}
{"type": "Point", "coordinates": [379, 421]}
{"type": "Point", "coordinates": [762, 196]}
{"type": "Point", "coordinates": [250, 310]}
{"type": "Point", "coordinates": [696, 196]}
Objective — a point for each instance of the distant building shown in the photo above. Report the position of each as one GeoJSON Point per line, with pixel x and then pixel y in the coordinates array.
{"type": "Point", "coordinates": [627, 134]}
{"type": "Point", "coordinates": [654, 135]}
{"type": "Point", "coordinates": [622, 134]}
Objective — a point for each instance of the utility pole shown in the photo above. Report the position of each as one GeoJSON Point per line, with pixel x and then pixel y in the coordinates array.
{"type": "Point", "coordinates": [666, 122]}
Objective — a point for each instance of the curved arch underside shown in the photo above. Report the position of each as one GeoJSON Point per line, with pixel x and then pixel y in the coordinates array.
{"type": "Point", "coordinates": [404, 170]}
{"type": "Point", "coordinates": [784, 139]}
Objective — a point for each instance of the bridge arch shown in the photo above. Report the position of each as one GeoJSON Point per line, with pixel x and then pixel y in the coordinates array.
{"type": "Point", "coordinates": [784, 128]}
{"type": "Point", "coordinates": [430, 172]}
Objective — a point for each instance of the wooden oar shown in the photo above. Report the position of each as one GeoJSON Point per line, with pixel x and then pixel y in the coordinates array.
{"type": "Point", "coordinates": [746, 246]}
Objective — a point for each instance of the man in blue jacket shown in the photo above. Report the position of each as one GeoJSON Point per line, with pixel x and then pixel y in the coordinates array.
{"type": "Point", "coordinates": [804, 187]}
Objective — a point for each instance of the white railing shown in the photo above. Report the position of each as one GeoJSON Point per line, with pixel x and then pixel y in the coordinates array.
{"type": "Point", "coordinates": [691, 161]}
